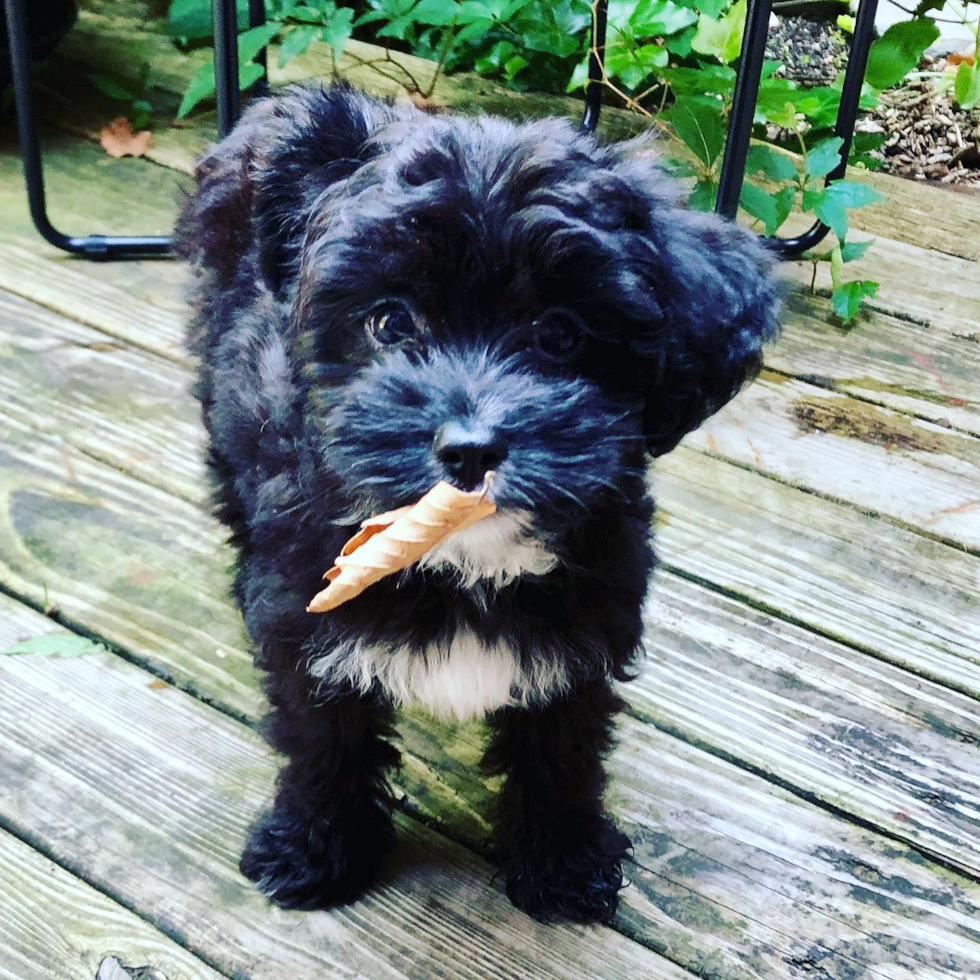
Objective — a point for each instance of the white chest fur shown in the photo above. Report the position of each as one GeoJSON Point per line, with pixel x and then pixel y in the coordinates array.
{"type": "Point", "coordinates": [498, 549]}
{"type": "Point", "coordinates": [464, 679]}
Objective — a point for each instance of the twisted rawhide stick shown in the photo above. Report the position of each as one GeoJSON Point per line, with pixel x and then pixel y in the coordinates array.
{"type": "Point", "coordinates": [390, 542]}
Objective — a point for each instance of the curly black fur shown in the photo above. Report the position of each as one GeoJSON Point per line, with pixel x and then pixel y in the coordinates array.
{"type": "Point", "coordinates": [321, 210]}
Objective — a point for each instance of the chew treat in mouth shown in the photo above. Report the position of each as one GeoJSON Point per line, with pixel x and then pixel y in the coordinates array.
{"type": "Point", "coordinates": [389, 542]}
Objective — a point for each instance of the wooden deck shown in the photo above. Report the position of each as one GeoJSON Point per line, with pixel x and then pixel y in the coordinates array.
{"type": "Point", "coordinates": [800, 766]}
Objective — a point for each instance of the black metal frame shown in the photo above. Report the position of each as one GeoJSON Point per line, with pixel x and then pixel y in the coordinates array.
{"type": "Point", "coordinates": [225, 18]}
{"type": "Point", "coordinates": [744, 100]}
{"type": "Point", "coordinates": [226, 94]}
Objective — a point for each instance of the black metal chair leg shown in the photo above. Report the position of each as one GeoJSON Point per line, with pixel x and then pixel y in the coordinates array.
{"type": "Point", "coordinates": [744, 98]}
{"type": "Point", "coordinates": [597, 54]}
{"type": "Point", "coordinates": [224, 16]}
{"type": "Point", "coordinates": [226, 90]}
{"type": "Point", "coordinates": [743, 112]}
{"type": "Point", "coordinates": [90, 246]}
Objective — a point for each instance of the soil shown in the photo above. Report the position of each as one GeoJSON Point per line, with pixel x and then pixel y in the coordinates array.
{"type": "Point", "coordinates": [927, 137]}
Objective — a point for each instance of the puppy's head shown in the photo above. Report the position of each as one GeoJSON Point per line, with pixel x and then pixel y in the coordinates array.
{"type": "Point", "coordinates": [470, 295]}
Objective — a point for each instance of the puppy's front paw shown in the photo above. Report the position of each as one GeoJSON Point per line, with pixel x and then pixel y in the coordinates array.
{"type": "Point", "coordinates": [302, 864]}
{"type": "Point", "coordinates": [578, 880]}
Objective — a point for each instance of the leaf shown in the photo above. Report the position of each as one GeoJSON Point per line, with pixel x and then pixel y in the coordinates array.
{"type": "Point", "coordinates": [832, 203]}
{"type": "Point", "coordinates": [852, 194]}
{"type": "Point", "coordinates": [119, 140]}
{"type": "Point", "coordinates": [680, 43]}
{"type": "Point", "coordinates": [852, 251]}
{"type": "Point", "coordinates": [704, 195]}
{"type": "Point", "coordinates": [708, 79]}
{"type": "Point", "coordinates": [824, 157]}
{"type": "Point", "coordinates": [337, 33]}
{"type": "Point", "coordinates": [475, 29]}
{"type": "Point", "coordinates": [305, 14]}
{"type": "Point", "coordinates": [700, 127]}
{"type": "Point", "coordinates": [436, 13]}
{"type": "Point", "coordinates": [659, 18]}
{"type": "Point", "coordinates": [509, 9]}
{"type": "Point", "coordinates": [512, 66]}
{"type": "Point", "coordinates": [633, 65]}
{"type": "Point", "coordinates": [201, 85]}
{"type": "Point", "coordinates": [967, 87]}
{"type": "Point", "coordinates": [139, 114]}
{"type": "Point", "coordinates": [579, 77]}
{"type": "Point", "coordinates": [898, 51]}
{"type": "Point", "coordinates": [771, 209]}
{"type": "Point", "coordinates": [722, 37]}
{"type": "Point", "coordinates": [191, 19]}
{"type": "Point", "coordinates": [765, 160]}
{"type": "Point", "coordinates": [54, 645]}
{"type": "Point", "coordinates": [252, 41]}
{"type": "Point", "coordinates": [111, 87]}
{"type": "Point", "coordinates": [847, 299]}
{"type": "Point", "coordinates": [785, 199]}
{"type": "Point", "coordinates": [296, 42]}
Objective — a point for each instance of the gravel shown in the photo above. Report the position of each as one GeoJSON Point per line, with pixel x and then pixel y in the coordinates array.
{"type": "Point", "coordinates": [812, 52]}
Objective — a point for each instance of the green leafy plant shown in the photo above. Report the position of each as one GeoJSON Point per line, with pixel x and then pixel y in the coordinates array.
{"type": "Point", "coordinates": [964, 78]}
{"type": "Point", "coordinates": [669, 60]}
{"type": "Point", "coordinates": [136, 95]}
{"type": "Point", "coordinates": [297, 23]}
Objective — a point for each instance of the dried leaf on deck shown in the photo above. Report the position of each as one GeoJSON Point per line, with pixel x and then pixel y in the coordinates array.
{"type": "Point", "coordinates": [387, 543]}
{"type": "Point", "coordinates": [119, 140]}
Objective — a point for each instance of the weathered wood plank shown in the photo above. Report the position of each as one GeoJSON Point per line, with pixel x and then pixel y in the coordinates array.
{"type": "Point", "coordinates": [154, 814]}
{"type": "Point", "coordinates": [129, 607]}
{"type": "Point", "coordinates": [813, 895]}
{"type": "Point", "coordinates": [731, 873]}
{"type": "Point", "coordinates": [829, 566]}
{"type": "Point", "coordinates": [866, 738]}
{"type": "Point", "coordinates": [129, 408]}
{"type": "Point", "coordinates": [130, 562]}
{"type": "Point", "coordinates": [913, 472]}
{"type": "Point", "coordinates": [920, 368]}
{"type": "Point", "coordinates": [138, 602]}
{"type": "Point", "coordinates": [908, 599]}
{"type": "Point", "coordinates": [743, 880]}
{"type": "Point", "coordinates": [140, 302]}
{"type": "Point", "coordinates": [54, 925]}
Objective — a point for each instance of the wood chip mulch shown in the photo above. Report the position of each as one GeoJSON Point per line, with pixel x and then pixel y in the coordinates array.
{"type": "Point", "coordinates": [928, 136]}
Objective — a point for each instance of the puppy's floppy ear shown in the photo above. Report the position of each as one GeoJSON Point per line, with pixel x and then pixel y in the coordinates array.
{"type": "Point", "coordinates": [257, 187]}
{"type": "Point", "coordinates": [722, 306]}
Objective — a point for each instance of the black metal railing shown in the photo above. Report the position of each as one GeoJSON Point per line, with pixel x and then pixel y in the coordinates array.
{"type": "Point", "coordinates": [224, 14]}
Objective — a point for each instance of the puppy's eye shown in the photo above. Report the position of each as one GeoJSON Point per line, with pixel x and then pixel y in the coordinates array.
{"type": "Point", "coordinates": [393, 324]}
{"type": "Point", "coordinates": [559, 334]}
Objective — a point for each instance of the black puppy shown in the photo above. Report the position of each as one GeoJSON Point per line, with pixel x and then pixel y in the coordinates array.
{"type": "Point", "coordinates": [387, 298]}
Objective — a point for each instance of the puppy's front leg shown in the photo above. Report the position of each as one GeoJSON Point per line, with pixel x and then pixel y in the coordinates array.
{"type": "Point", "coordinates": [562, 855]}
{"type": "Point", "coordinates": [322, 842]}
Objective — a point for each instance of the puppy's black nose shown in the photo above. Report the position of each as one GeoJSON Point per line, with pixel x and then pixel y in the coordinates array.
{"type": "Point", "coordinates": [468, 452]}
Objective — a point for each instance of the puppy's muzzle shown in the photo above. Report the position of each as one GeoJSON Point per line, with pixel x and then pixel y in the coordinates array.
{"type": "Point", "coordinates": [467, 451]}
